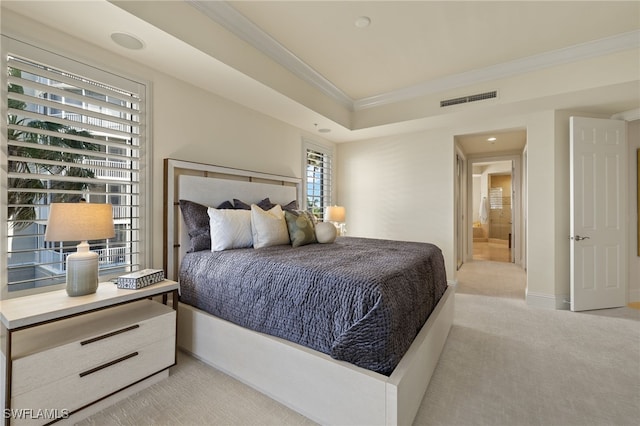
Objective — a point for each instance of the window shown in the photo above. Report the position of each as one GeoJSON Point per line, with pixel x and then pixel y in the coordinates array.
{"type": "Point", "coordinates": [318, 178]}
{"type": "Point", "coordinates": [69, 136]}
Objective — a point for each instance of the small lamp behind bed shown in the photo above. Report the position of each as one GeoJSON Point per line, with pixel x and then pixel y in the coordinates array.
{"type": "Point", "coordinates": [337, 216]}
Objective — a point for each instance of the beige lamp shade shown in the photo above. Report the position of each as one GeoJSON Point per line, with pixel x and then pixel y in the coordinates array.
{"type": "Point", "coordinates": [335, 214]}
{"type": "Point", "coordinates": [79, 222]}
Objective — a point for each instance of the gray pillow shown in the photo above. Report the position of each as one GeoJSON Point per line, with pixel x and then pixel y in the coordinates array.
{"type": "Point", "coordinates": [226, 205]}
{"type": "Point", "coordinates": [196, 219]}
{"type": "Point", "coordinates": [293, 205]}
{"type": "Point", "coordinates": [265, 204]}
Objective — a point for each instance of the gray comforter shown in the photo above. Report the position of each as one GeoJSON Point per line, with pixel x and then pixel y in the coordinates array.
{"type": "Point", "coordinates": [359, 300]}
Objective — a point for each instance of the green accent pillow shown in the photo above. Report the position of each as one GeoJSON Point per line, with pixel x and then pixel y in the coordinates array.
{"type": "Point", "coordinates": [301, 228]}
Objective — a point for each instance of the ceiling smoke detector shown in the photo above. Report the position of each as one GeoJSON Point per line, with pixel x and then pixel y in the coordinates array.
{"type": "Point", "coordinates": [362, 21]}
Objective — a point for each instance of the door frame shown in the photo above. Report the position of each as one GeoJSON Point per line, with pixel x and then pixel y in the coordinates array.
{"type": "Point", "coordinates": [517, 191]}
{"type": "Point", "coordinates": [525, 207]}
{"type": "Point", "coordinates": [460, 208]}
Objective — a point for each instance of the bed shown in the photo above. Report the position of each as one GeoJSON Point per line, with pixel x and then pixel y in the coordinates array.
{"type": "Point", "coordinates": [322, 377]}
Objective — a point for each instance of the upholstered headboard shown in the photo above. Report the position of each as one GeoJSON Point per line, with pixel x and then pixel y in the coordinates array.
{"type": "Point", "coordinates": [211, 185]}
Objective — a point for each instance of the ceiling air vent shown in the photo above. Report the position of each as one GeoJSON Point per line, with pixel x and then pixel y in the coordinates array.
{"type": "Point", "coordinates": [467, 99]}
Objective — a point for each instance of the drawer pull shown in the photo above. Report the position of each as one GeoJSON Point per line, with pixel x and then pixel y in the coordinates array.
{"type": "Point", "coordinates": [108, 364]}
{"type": "Point", "coordinates": [113, 333]}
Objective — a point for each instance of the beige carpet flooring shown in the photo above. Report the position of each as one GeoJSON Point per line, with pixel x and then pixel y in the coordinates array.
{"type": "Point", "coordinates": [504, 364]}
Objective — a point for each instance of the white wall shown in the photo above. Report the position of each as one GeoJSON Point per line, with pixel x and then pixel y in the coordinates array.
{"type": "Point", "coordinates": [402, 188]}
{"type": "Point", "coordinates": [215, 131]}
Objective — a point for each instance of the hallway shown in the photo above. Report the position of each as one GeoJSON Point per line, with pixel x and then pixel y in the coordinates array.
{"type": "Point", "coordinates": [491, 278]}
{"type": "Point", "coordinates": [495, 250]}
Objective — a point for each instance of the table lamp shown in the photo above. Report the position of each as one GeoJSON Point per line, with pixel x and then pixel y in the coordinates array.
{"type": "Point", "coordinates": [80, 222]}
{"type": "Point", "coordinates": [336, 215]}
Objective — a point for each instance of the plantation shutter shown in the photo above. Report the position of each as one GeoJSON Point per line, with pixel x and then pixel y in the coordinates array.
{"type": "Point", "coordinates": [318, 180]}
{"type": "Point", "coordinates": [69, 138]}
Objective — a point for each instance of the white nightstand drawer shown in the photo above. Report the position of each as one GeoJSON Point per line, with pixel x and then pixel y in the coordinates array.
{"type": "Point", "coordinates": [99, 338]}
{"type": "Point", "coordinates": [101, 380]}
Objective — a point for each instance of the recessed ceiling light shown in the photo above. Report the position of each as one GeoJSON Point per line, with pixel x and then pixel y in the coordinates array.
{"type": "Point", "coordinates": [127, 41]}
{"type": "Point", "coordinates": [491, 139]}
{"type": "Point", "coordinates": [362, 21]}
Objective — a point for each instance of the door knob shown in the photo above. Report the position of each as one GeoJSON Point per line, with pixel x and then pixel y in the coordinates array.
{"type": "Point", "coordinates": [579, 238]}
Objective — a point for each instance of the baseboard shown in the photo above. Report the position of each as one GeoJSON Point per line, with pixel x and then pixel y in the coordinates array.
{"type": "Point", "coordinates": [563, 301]}
{"type": "Point", "coordinates": [548, 301]}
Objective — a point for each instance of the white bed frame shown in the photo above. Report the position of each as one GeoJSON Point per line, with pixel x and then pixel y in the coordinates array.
{"type": "Point", "coordinates": [312, 383]}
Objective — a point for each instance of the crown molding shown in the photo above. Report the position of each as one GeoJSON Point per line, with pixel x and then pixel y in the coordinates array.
{"type": "Point", "coordinates": [225, 15]}
{"type": "Point", "coordinates": [605, 46]}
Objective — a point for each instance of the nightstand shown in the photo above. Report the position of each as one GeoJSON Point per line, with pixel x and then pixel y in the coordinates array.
{"type": "Point", "coordinates": [61, 355]}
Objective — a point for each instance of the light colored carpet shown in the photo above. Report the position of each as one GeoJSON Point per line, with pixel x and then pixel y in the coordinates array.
{"type": "Point", "coordinates": [507, 364]}
{"type": "Point", "coordinates": [503, 364]}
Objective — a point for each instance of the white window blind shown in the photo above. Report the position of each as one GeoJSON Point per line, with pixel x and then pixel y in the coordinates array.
{"type": "Point", "coordinates": [318, 179]}
{"type": "Point", "coordinates": [69, 137]}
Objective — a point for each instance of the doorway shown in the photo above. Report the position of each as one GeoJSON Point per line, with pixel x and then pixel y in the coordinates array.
{"type": "Point", "coordinates": [493, 213]}
{"type": "Point", "coordinates": [493, 162]}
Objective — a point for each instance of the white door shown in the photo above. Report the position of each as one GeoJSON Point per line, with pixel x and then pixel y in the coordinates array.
{"type": "Point", "coordinates": [598, 213]}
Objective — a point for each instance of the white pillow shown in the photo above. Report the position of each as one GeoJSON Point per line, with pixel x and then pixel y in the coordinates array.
{"type": "Point", "coordinates": [326, 232]}
{"type": "Point", "coordinates": [268, 228]}
{"type": "Point", "coordinates": [230, 229]}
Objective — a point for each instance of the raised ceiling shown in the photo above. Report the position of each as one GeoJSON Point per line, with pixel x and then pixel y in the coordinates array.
{"type": "Point", "coordinates": [409, 43]}
{"type": "Point", "coordinates": [308, 64]}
